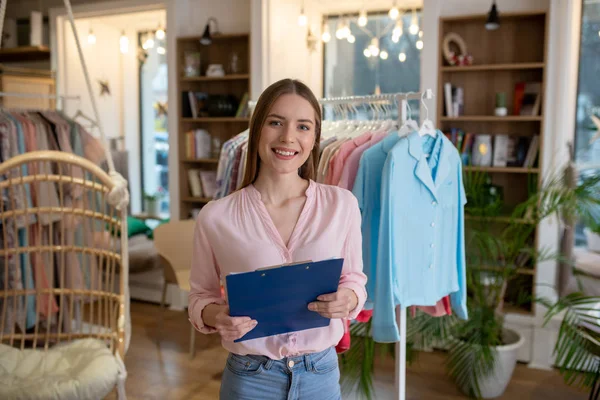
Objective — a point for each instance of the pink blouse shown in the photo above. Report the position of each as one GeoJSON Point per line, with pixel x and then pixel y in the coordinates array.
{"type": "Point", "coordinates": [236, 234]}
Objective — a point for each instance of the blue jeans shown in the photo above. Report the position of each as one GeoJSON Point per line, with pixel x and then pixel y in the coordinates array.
{"type": "Point", "coordinates": [311, 376]}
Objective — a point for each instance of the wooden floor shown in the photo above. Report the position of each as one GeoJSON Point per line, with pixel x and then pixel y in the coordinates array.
{"type": "Point", "coordinates": [158, 367]}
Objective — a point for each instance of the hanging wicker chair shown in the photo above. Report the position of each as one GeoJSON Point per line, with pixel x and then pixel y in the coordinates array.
{"type": "Point", "coordinates": [65, 338]}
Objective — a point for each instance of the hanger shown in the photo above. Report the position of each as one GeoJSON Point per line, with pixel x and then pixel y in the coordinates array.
{"type": "Point", "coordinates": [427, 128]}
{"type": "Point", "coordinates": [409, 125]}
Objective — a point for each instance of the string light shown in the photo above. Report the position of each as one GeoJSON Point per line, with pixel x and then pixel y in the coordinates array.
{"type": "Point", "coordinates": [398, 29]}
{"type": "Point", "coordinates": [374, 47]}
{"type": "Point", "coordinates": [393, 13]}
{"type": "Point", "coordinates": [148, 44]}
{"type": "Point", "coordinates": [362, 18]}
{"type": "Point", "coordinates": [414, 23]}
{"type": "Point", "coordinates": [326, 36]}
{"type": "Point", "coordinates": [302, 20]}
{"type": "Point", "coordinates": [91, 37]}
{"type": "Point", "coordinates": [367, 53]}
{"type": "Point", "coordinates": [340, 31]}
{"type": "Point", "coordinates": [419, 44]}
{"type": "Point", "coordinates": [124, 43]}
{"type": "Point", "coordinates": [160, 33]}
{"type": "Point", "coordinates": [402, 57]}
{"type": "Point", "coordinates": [161, 50]}
{"type": "Point", "coordinates": [351, 39]}
{"type": "Point", "coordinates": [420, 34]}
{"type": "Point", "coordinates": [384, 55]}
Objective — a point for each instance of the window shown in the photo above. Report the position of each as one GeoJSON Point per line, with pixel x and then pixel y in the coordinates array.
{"type": "Point", "coordinates": [588, 95]}
{"type": "Point", "coordinates": [587, 152]}
{"type": "Point", "coordinates": [353, 69]}
{"type": "Point", "coordinates": [154, 138]}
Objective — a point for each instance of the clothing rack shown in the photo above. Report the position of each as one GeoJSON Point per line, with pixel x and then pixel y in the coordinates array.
{"type": "Point", "coordinates": [401, 100]}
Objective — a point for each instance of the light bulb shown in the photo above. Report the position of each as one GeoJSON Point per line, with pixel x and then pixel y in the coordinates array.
{"type": "Point", "coordinates": [598, 33]}
{"type": "Point", "coordinates": [161, 50]}
{"type": "Point", "coordinates": [414, 24]}
{"type": "Point", "coordinates": [148, 44]}
{"type": "Point", "coordinates": [395, 38]}
{"type": "Point", "coordinates": [374, 47]}
{"type": "Point", "coordinates": [124, 43]}
{"type": "Point", "coordinates": [326, 36]}
{"type": "Point", "coordinates": [351, 39]}
{"type": "Point", "coordinates": [367, 53]}
{"type": "Point", "coordinates": [398, 29]}
{"type": "Point", "coordinates": [362, 18]}
{"type": "Point", "coordinates": [393, 13]}
{"type": "Point", "coordinates": [347, 31]}
{"type": "Point", "coordinates": [160, 33]}
{"type": "Point", "coordinates": [91, 37]}
{"type": "Point", "coordinates": [402, 57]}
{"type": "Point", "coordinates": [384, 55]}
{"type": "Point", "coordinates": [339, 32]}
{"type": "Point", "coordinates": [420, 34]}
{"type": "Point", "coordinates": [302, 20]}
{"type": "Point", "coordinates": [419, 44]}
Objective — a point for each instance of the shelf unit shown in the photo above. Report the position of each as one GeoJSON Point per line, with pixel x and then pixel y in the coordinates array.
{"type": "Point", "coordinates": [516, 52]}
{"type": "Point", "coordinates": [222, 128]}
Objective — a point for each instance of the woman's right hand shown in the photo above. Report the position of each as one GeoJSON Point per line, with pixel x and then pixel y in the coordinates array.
{"type": "Point", "coordinates": [232, 328]}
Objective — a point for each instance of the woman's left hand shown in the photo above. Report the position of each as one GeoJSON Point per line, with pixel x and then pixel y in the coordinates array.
{"type": "Point", "coordinates": [335, 305]}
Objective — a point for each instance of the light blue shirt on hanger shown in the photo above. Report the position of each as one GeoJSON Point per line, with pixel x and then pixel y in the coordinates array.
{"type": "Point", "coordinates": [421, 250]}
{"type": "Point", "coordinates": [367, 189]}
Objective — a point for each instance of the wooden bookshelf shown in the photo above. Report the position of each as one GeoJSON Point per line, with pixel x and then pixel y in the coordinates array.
{"type": "Point", "coordinates": [221, 128]}
{"type": "Point", "coordinates": [516, 52]}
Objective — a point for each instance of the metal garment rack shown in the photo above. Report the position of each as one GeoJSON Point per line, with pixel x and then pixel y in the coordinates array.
{"type": "Point", "coordinates": [401, 100]}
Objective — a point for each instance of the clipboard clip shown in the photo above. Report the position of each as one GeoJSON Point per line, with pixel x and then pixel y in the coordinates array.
{"type": "Point", "coordinates": [284, 265]}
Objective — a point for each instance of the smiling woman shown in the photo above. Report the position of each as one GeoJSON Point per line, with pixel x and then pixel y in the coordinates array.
{"type": "Point", "coordinates": [279, 216]}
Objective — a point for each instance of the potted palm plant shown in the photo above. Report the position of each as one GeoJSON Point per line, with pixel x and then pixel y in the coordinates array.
{"type": "Point", "coordinates": [482, 352]}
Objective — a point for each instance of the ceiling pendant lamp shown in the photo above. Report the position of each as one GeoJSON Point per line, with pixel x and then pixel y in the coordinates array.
{"type": "Point", "coordinates": [493, 20]}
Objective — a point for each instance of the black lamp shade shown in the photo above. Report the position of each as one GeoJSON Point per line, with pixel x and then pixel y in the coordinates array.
{"type": "Point", "coordinates": [493, 20]}
{"type": "Point", "coordinates": [206, 39]}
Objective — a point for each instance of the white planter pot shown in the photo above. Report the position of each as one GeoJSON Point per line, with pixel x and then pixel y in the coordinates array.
{"type": "Point", "coordinates": [593, 240]}
{"type": "Point", "coordinates": [495, 384]}
{"type": "Point", "coordinates": [152, 207]}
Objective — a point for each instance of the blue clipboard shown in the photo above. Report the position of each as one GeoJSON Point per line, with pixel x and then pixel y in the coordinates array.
{"type": "Point", "coordinates": [277, 298]}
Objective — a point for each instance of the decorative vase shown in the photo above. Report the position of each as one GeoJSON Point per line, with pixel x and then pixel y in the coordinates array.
{"type": "Point", "coordinates": [506, 359]}
{"type": "Point", "coordinates": [501, 110]}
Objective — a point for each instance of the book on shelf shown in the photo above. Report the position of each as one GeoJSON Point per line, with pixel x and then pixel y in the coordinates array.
{"type": "Point", "coordinates": [242, 111]}
{"type": "Point", "coordinates": [527, 98]}
{"type": "Point", "coordinates": [197, 144]}
{"type": "Point", "coordinates": [453, 100]}
{"type": "Point", "coordinates": [500, 151]}
{"type": "Point", "coordinates": [532, 152]}
{"type": "Point", "coordinates": [194, 181]}
{"type": "Point", "coordinates": [208, 179]}
{"type": "Point", "coordinates": [194, 104]}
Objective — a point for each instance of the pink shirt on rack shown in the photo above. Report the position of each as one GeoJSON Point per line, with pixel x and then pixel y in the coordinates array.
{"type": "Point", "coordinates": [336, 164]}
{"type": "Point", "coordinates": [236, 234]}
{"type": "Point", "coordinates": [350, 169]}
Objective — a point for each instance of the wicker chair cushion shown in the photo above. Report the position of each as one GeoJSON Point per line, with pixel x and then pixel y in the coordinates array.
{"type": "Point", "coordinates": [82, 369]}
